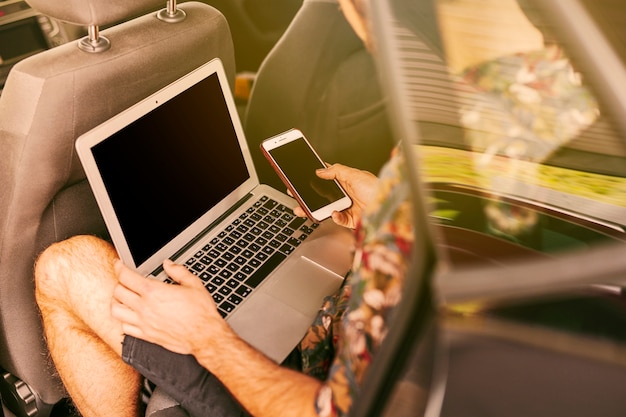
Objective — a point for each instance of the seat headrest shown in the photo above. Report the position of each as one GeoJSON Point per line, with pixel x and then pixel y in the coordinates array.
{"type": "Point", "coordinates": [93, 12]}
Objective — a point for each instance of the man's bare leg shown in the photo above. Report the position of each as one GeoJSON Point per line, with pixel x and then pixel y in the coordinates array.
{"type": "Point", "coordinates": [75, 282]}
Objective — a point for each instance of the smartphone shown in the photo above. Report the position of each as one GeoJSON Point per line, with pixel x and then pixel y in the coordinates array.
{"type": "Point", "coordinates": [295, 161]}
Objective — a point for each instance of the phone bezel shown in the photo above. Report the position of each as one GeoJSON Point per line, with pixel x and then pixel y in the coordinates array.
{"type": "Point", "coordinates": [284, 138]}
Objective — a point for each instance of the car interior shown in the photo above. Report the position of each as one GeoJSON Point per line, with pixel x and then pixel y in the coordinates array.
{"type": "Point", "coordinates": [53, 201]}
{"type": "Point", "coordinates": [255, 29]}
{"type": "Point", "coordinates": [53, 66]}
{"type": "Point", "coordinates": [491, 322]}
{"type": "Point", "coordinates": [48, 100]}
{"type": "Point", "coordinates": [531, 319]}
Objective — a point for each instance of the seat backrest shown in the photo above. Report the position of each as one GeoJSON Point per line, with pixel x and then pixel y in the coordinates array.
{"type": "Point", "coordinates": [255, 27]}
{"type": "Point", "coordinates": [320, 78]}
{"type": "Point", "coordinates": [48, 101]}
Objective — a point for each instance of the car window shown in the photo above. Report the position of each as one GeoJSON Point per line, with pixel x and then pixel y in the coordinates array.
{"type": "Point", "coordinates": [522, 107]}
{"type": "Point", "coordinates": [522, 158]}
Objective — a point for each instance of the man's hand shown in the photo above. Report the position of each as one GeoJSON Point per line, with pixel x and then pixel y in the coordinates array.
{"type": "Point", "coordinates": [181, 318]}
{"type": "Point", "coordinates": [360, 186]}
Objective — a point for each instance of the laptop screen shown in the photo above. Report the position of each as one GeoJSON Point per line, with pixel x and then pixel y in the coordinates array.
{"type": "Point", "coordinates": [168, 168]}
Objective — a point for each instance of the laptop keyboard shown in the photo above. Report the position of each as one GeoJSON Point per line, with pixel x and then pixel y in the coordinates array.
{"type": "Point", "coordinates": [236, 261]}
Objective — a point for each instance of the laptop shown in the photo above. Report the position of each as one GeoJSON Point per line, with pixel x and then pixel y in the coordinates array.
{"type": "Point", "coordinates": [173, 178]}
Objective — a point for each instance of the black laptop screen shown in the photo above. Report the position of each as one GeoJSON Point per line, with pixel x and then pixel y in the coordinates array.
{"type": "Point", "coordinates": [168, 168]}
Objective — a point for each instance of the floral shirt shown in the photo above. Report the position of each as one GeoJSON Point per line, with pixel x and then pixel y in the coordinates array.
{"type": "Point", "coordinates": [525, 106]}
{"type": "Point", "coordinates": [353, 322]}
{"type": "Point", "coordinates": [539, 104]}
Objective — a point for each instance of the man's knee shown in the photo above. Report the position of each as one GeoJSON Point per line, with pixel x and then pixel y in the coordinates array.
{"type": "Point", "coordinates": [62, 260]}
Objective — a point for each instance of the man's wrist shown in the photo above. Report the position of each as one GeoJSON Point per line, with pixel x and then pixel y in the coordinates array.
{"type": "Point", "coordinates": [216, 342]}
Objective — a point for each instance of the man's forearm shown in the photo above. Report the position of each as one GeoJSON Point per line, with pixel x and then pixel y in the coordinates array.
{"type": "Point", "coordinates": [144, 307]}
{"type": "Point", "coordinates": [260, 385]}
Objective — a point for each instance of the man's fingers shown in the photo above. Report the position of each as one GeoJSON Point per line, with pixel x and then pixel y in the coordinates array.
{"type": "Point", "coordinates": [299, 212]}
{"type": "Point", "coordinates": [342, 219]}
{"type": "Point", "coordinates": [125, 296]}
{"type": "Point", "coordinates": [330, 172]}
{"type": "Point", "coordinates": [180, 274]}
{"type": "Point", "coordinates": [129, 278]}
{"type": "Point", "coordinates": [122, 312]}
{"type": "Point", "coordinates": [132, 330]}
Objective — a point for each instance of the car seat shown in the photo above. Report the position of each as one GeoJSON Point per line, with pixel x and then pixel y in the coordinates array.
{"type": "Point", "coordinates": [320, 78]}
{"type": "Point", "coordinates": [255, 27]}
{"type": "Point", "coordinates": [48, 101]}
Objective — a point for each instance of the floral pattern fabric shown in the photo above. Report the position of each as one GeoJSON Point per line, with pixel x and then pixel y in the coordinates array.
{"type": "Point", "coordinates": [528, 106]}
{"type": "Point", "coordinates": [522, 108]}
{"type": "Point", "coordinates": [525, 106]}
{"type": "Point", "coordinates": [353, 323]}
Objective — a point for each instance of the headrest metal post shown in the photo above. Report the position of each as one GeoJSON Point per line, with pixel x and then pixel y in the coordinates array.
{"type": "Point", "coordinates": [171, 13]}
{"type": "Point", "coordinates": [93, 42]}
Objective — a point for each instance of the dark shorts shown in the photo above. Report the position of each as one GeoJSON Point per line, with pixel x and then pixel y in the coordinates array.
{"type": "Point", "coordinates": [182, 378]}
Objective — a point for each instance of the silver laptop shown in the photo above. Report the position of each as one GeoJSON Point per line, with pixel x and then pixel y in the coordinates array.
{"type": "Point", "coordinates": [174, 178]}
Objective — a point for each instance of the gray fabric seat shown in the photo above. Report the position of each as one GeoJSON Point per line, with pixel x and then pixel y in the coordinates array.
{"type": "Point", "coordinates": [255, 27]}
{"type": "Point", "coordinates": [49, 100]}
{"type": "Point", "coordinates": [162, 405]}
{"type": "Point", "coordinates": [320, 78]}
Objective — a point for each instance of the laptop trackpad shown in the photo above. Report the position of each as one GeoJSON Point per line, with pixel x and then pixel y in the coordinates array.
{"type": "Point", "coordinates": [278, 315]}
{"type": "Point", "coordinates": [303, 285]}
